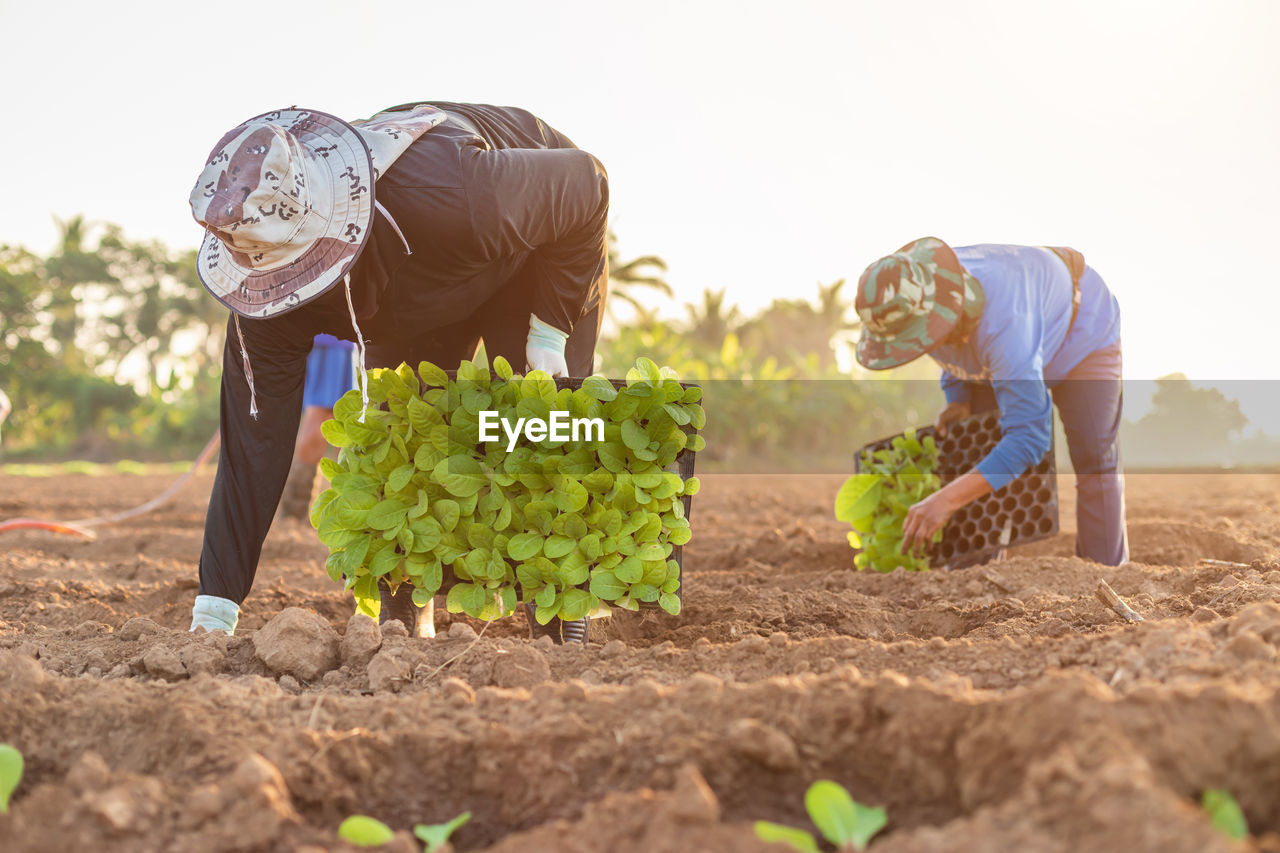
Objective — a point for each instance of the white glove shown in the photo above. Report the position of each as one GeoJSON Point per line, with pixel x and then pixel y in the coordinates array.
{"type": "Point", "coordinates": [215, 614]}
{"type": "Point", "coordinates": [545, 348]}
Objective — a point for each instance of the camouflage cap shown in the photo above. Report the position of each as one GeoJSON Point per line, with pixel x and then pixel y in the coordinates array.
{"type": "Point", "coordinates": [911, 300]}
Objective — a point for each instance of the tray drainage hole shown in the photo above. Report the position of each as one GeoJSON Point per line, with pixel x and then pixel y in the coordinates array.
{"type": "Point", "coordinates": [1044, 495]}
{"type": "Point", "coordinates": [1046, 525]}
{"type": "Point", "coordinates": [986, 523]}
{"type": "Point", "coordinates": [1026, 499]}
{"type": "Point", "coordinates": [968, 529]}
{"type": "Point", "coordinates": [1009, 504]}
{"type": "Point", "coordinates": [1019, 516]}
{"type": "Point", "coordinates": [1027, 530]}
{"type": "Point", "coordinates": [965, 442]}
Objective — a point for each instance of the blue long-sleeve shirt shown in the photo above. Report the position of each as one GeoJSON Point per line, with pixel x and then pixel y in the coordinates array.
{"type": "Point", "coordinates": [1021, 346]}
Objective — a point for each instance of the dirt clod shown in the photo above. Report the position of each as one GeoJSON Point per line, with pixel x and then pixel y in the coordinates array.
{"type": "Point", "coordinates": [298, 642]}
{"type": "Point", "coordinates": [138, 626]}
{"type": "Point", "coordinates": [163, 662]}
{"type": "Point", "coordinates": [361, 640]}
{"type": "Point", "coordinates": [389, 670]}
{"type": "Point", "coordinates": [523, 666]}
{"type": "Point", "coordinates": [763, 744]}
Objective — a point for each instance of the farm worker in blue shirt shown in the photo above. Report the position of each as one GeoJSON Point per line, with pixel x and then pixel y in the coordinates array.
{"type": "Point", "coordinates": [1013, 327]}
{"type": "Point", "coordinates": [331, 372]}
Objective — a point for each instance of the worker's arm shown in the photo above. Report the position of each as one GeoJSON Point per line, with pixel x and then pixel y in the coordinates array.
{"type": "Point", "coordinates": [256, 452]}
{"type": "Point", "coordinates": [1025, 427]}
{"type": "Point", "coordinates": [931, 514]}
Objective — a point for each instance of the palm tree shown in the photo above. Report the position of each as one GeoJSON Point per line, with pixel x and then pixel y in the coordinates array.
{"type": "Point", "coordinates": [711, 322]}
{"type": "Point", "coordinates": [625, 276]}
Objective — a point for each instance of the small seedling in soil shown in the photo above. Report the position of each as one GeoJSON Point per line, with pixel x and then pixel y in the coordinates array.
{"type": "Point", "coordinates": [436, 834]}
{"type": "Point", "coordinates": [363, 831]}
{"type": "Point", "coordinates": [843, 821]}
{"type": "Point", "coordinates": [876, 501]}
{"type": "Point", "coordinates": [10, 774]}
{"type": "Point", "coordinates": [1224, 813]}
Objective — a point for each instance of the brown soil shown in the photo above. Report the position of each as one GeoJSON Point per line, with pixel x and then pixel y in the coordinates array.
{"type": "Point", "coordinates": [995, 708]}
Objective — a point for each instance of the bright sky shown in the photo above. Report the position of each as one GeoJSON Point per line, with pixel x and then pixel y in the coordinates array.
{"type": "Point", "coordinates": [758, 147]}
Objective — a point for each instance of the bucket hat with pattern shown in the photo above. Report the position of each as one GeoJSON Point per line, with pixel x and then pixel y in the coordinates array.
{"type": "Point", "coordinates": [286, 200]}
{"type": "Point", "coordinates": [911, 300]}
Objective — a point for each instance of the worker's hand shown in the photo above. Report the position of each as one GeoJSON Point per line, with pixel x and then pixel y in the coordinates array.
{"type": "Point", "coordinates": [545, 348]}
{"type": "Point", "coordinates": [952, 412]}
{"type": "Point", "coordinates": [925, 519]}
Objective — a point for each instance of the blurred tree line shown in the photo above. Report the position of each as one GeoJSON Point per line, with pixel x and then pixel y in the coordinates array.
{"type": "Point", "coordinates": [110, 347]}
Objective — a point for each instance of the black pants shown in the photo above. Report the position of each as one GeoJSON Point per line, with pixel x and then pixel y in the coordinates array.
{"type": "Point", "coordinates": [503, 324]}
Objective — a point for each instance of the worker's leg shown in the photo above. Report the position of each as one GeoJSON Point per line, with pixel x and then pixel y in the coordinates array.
{"type": "Point", "coordinates": [1089, 401]}
{"type": "Point", "coordinates": [504, 324]}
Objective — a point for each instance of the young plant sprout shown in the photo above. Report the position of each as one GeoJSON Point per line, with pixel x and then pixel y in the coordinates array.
{"type": "Point", "coordinates": [876, 501]}
{"type": "Point", "coordinates": [364, 831]}
{"type": "Point", "coordinates": [1225, 813]}
{"type": "Point", "coordinates": [565, 523]}
{"type": "Point", "coordinates": [434, 835]}
{"type": "Point", "coordinates": [10, 774]}
{"type": "Point", "coordinates": [843, 821]}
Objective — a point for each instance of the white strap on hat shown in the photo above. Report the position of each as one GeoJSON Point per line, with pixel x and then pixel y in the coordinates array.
{"type": "Point", "coordinates": [248, 371]}
{"type": "Point", "coordinates": [360, 369]}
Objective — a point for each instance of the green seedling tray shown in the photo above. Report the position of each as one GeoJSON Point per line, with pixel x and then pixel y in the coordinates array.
{"type": "Point", "coordinates": [1024, 511]}
{"type": "Point", "coordinates": [684, 462]}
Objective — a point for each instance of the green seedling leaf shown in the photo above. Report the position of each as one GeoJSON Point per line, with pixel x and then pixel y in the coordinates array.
{"type": "Point", "coordinates": [364, 831]}
{"type": "Point", "coordinates": [462, 476]}
{"type": "Point", "coordinates": [599, 388]}
{"type": "Point", "coordinates": [634, 435]}
{"type": "Point", "coordinates": [524, 546]}
{"type": "Point", "coordinates": [606, 586]}
{"type": "Point", "coordinates": [557, 546]}
{"type": "Point", "coordinates": [387, 515]}
{"type": "Point", "coordinates": [335, 433]}
{"type": "Point", "coordinates": [1224, 813]}
{"type": "Point", "coordinates": [436, 834]}
{"type": "Point", "coordinates": [776, 832]}
{"type": "Point", "coordinates": [858, 496]}
{"type": "Point", "coordinates": [10, 774]}
{"type": "Point", "coordinates": [575, 604]}
{"type": "Point", "coordinates": [841, 820]}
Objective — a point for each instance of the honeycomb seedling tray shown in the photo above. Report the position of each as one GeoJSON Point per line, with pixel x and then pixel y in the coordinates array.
{"type": "Point", "coordinates": [683, 464]}
{"type": "Point", "coordinates": [1026, 510]}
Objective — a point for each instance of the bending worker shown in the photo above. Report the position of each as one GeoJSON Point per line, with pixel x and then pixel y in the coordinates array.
{"type": "Point", "coordinates": [421, 231]}
{"type": "Point", "coordinates": [1012, 327]}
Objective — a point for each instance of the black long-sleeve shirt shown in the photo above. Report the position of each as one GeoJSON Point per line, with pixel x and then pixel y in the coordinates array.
{"type": "Point", "coordinates": [478, 198]}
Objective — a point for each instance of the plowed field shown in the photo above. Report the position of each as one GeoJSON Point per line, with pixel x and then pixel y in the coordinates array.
{"type": "Point", "coordinates": [991, 709]}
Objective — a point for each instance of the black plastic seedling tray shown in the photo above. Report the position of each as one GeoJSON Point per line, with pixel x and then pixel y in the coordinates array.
{"type": "Point", "coordinates": [684, 462]}
{"type": "Point", "coordinates": [1024, 511]}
